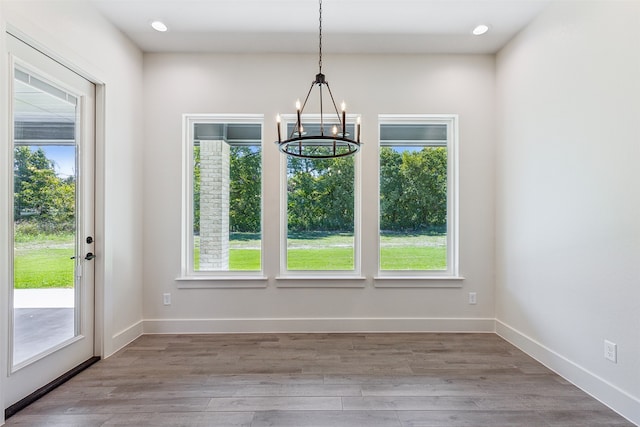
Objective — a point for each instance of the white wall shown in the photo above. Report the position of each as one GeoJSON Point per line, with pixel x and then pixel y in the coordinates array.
{"type": "Point", "coordinates": [76, 34]}
{"type": "Point", "coordinates": [568, 204]}
{"type": "Point", "coordinates": [267, 84]}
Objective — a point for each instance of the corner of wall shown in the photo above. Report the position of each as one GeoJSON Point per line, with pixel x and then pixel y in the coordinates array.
{"type": "Point", "coordinates": [594, 385]}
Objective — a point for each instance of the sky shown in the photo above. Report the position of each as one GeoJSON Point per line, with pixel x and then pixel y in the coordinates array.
{"type": "Point", "coordinates": [63, 157]}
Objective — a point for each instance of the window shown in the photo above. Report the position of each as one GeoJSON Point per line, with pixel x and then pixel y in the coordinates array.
{"type": "Point", "coordinates": [418, 219]}
{"type": "Point", "coordinates": [320, 210]}
{"type": "Point", "coordinates": [321, 221]}
{"type": "Point", "coordinates": [223, 203]}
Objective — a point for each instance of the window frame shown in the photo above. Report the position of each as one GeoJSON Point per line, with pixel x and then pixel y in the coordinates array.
{"type": "Point", "coordinates": [255, 278]}
{"type": "Point", "coordinates": [314, 275]}
{"type": "Point", "coordinates": [452, 239]}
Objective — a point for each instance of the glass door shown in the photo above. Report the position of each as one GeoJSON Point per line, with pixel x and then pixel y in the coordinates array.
{"type": "Point", "coordinates": [53, 248]}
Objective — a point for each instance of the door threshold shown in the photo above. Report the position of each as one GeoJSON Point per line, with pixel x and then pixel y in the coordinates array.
{"type": "Point", "coordinates": [23, 403]}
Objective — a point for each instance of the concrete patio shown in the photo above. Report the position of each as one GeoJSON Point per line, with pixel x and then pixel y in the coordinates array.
{"type": "Point", "coordinates": [43, 318]}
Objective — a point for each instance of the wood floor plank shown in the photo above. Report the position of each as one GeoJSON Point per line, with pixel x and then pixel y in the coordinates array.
{"type": "Point", "coordinates": [337, 380]}
{"type": "Point", "coordinates": [470, 419]}
{"type": "Point", "coordinates": [183, 419]}
{"type": "Point", "coordinates": [165, 390]}
{"type": "Point", "coordinates": [266, 379]}
{"type": "Point", "coordinates": [57, 420]}
{"type": "Point", "coordinates": [582, 418]}
{"type": "Point", "coordinates": [326, 419]}
{"type": "Point", "coordinates": [116, 405]}
{"type": "Point", "coordinates": [275, 403]}
{"type": "Point", "coordinates": [408, 403]}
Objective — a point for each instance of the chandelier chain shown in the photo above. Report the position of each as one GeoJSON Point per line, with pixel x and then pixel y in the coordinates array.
{"type": "Point", "coordinates": [315, 142]}
{"type": "Point", "coordinates": [320, 39]}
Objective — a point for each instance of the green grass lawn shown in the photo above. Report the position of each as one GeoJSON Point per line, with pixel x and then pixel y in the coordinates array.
{"type": "Point", "coordinates": [320, 259]}
{"type": "Point", "coordinates": [44, 268]}
{"type": "Point", "coordinates": [244, 259]}
{"type": "Point", "coordinates": [44, 261]}
{"type": "Point", "coordinates": [334, 251]}
{"type": "Point", "coordinates": [239, 259]}
{"type": "Point", "coordinates": [320, 251]}
{"type": "Point", "coordinates": [244, 252]}
{"type": "Point", "coordinates": [413, 258]}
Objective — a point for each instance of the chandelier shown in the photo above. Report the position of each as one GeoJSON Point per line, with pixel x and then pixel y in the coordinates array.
{"type": "Point", "coordinates": [328, 139]}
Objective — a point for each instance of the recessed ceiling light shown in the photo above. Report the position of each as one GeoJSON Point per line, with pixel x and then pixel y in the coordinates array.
{"type": "Point", "coordinates": [480, 30]}
{"type": "Point", "coordinates": [159, 26]}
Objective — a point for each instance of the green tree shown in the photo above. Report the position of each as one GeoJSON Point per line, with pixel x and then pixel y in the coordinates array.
{"type": "Point", "coordinates": [413, 188]}
{"type": "Point", "coordinates": [245, 189]}
{"type": "Point", "coordinates": [336, 186]}
{"type": "Point", "coordinates": [320, 194]}
{"type": "Point", "coordinates": [40, 196]}
{"type": "Point", "coordinates": [391, 189]}
{"type": "Point", "coordinates": [303, 200]}
{"type": "Point", "coordinates": [425, 190]}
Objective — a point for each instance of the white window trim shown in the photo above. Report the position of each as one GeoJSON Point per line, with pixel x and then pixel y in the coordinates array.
{"type": "Point", "coordinates": [211, 279]}
{"type": "Point", "coordinates": [342, 278]}
{"type": "Point", "coordinates": [429, 278]}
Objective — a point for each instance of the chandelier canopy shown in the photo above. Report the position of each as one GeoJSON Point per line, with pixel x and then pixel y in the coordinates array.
{"type": "Point", "coordinates": [330, 138]}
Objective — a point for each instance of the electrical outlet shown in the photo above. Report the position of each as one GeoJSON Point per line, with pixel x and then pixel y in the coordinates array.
{"type": "Point", "coordinates": [472, 298]}
{"type": "Point", "coordinates": [611, 351]}
{"type": "Point", "coordinates": [166, 298]}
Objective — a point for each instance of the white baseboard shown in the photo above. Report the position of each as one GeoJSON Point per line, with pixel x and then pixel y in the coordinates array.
{"type": "Point", "coordinates": [620, 401]}
{"type": "Point", "coordinates": [126, 336]}
{"type": "Point", "coordinates": [301, 325]}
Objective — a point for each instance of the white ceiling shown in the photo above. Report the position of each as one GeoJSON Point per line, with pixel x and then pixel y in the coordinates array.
{"type": "Point", "coordinates": [364, 26]}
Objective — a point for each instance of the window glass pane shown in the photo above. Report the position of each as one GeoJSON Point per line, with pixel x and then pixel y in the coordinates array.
{"type": "Point", "coordinates": [227, 161]}
{"type": "Point", "coordinates": [413, 197]}
{"type": "Point", "coordinates": [320, 214]}
{"type": "Point", "coordinates": [45, 200]}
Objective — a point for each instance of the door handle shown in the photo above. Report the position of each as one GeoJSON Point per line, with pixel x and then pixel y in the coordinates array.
{"type": "Point", "coordinates": [89, 256]}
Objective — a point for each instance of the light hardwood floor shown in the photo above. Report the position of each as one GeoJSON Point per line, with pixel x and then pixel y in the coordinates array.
{"type": "Point", "coordinates": [302, 380]}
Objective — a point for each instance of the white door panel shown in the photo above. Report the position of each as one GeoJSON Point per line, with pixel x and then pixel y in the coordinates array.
{"type": "Point", "coordinates": [52, 297]}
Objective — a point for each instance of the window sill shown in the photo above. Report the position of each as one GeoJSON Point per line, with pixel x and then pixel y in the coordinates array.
{"type": "Point", "coordinates": [309, 281]}
{"type": "Point", "coordinates": [418, 281]}
{"type": "Point", "coordinates": [221, 282]}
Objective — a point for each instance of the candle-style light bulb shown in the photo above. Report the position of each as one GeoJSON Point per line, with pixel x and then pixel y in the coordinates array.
{"type": "Point", "coordinates": [278, 122]}
{"type": "Point", "coordinates": [334, 130]}
{"type": "Point", "coordinates": [358, 128]}
{"type": "Point", "coordinates": [344, 119]}
{"type": "Point", "coordinates": [298, 107]}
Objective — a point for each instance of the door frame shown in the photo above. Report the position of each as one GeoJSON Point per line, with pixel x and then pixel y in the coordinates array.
{"type": "Point", "coordinates": [5, 185]}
